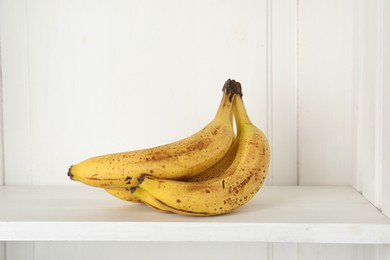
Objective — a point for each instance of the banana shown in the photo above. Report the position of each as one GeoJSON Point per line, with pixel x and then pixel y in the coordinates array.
{"type": "Point", "coordinates": [140, 195]}
{"type": "Point", "coordinates": [213, 172]}
{"type": "Point", "coordinates": [143, 196]}
{"type": "Point", "coordinates": [180, 159]}
{"type": "Point", "coordinates": [154, 203]}
{"type": "Point", "coordinates": [227, 190]}
{"type": "Point", "coordinates": [123, 194]}
{"type": "Point", "coordinates": [217, 169]}
{"type": "Point", "coordinates": [150, 201]}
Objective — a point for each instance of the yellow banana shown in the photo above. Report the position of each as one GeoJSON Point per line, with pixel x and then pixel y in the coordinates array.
{"type": "Point", "coordinates": [151, 201]}
{"type": "Point", "coordinates": [154, 203]}
{"type": "Point", "coordinates": [140, 195]}
{"type": "Point", "coordinates": [217, 169]}
{"type": "Point", "coordinates": [123, 194]}
{"type": "Point", "coordinates": [143, 196]}
{"type": "Point", "coordinates": [230, 189]}
{"type": "Point", "coordinates": [180, 159]}
{"type": "Point", "coordinates": [213, 172]}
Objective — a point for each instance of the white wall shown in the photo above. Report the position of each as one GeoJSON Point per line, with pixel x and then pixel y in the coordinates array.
{"type": "Point", "coordinates": [82, 78]}
{"type": "Point", "coordinates": [325, 92]}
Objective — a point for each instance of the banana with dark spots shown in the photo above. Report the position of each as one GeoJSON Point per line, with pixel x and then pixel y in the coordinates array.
{"type": "Point", "coordinates": [123, 194]}
{"type": "Point", "coordinates": [181, 159]}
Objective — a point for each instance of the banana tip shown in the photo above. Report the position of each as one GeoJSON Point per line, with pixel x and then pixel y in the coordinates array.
{"type": "Point", "coordinates": [70, 172]}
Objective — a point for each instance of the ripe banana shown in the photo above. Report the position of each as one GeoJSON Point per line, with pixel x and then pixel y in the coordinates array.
{"type": "Point", "coordinates": [151, 201]}
{"type": "Point", "coordinates": [217, 169]}
{"type": "Point", "coordinates": [223, 192]}
{"type": "Point", "coordinates": [213, 172]}
{"type": "Point", "coordinates": [180, 159]}
{"type": "Point", "coordinates": [123, 194]}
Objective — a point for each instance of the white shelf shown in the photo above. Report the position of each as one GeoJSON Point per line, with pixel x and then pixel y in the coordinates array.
{"type": "Point", "coordinates": [277, 214]}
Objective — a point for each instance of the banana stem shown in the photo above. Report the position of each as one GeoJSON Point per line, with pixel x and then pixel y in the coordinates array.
{"type": "Point", "coordinates": [230, 89]}
{"type": "Point", "coordinates": [240, 114]}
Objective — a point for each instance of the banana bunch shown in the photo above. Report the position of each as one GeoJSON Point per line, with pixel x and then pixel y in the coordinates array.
{"type": "Point", "coordinates": [209, 173]}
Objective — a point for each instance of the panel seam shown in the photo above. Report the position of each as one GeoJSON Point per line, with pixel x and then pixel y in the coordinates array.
{"type": "Point", "coordinates": [29, 178]}
{"type": "Point", "coordinates": [269, 82]}
{"type": "Point", "coordinates": [5, 250]}
{"type": "Point", "coordinates": [270, 251]}
{"type": "Point", "coordinates": [2, 161]}
{"type": "Point", "coordinates": [297, 54]}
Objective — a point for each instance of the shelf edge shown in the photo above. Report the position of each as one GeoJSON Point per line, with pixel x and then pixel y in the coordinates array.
{"type": "Point", "coordinates": [217, 232]}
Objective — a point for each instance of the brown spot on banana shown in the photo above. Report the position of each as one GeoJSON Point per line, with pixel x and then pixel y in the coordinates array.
{"type": "Point", "coordinates": [128, 179]}
{"type": "Point", "coordinates": [215, 132]}
{"type": "Point", "coordinates": [198, 146]}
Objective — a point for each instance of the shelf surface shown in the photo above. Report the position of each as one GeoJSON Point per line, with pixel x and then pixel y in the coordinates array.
{"type": "Point", "coordinates": [317, 214]}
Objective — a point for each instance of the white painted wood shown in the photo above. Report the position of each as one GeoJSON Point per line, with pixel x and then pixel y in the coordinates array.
{"type": "Point", "coordinates": [306, 251]}
{"type": "Point", "coordinates": [337, 251]}
{"type": "Point", "coordinates": [2, 250]}
{"type": "Point", "coordinates": [277, 214]}
{"type": "Point", "coordinates": [284, 251]}
{"type": "Point", "coordinates": [15, 87]}
{"type": "Point", "coordinates": [368, 80]}
{"type": "Point", "coordinates": [386, 112]}
{"type": "Point", "coordinates": [84, 78]}
{"type": "Point", "coordinates": [283, 102]}
{"type": "Point", "coordinates": [325, 93]}
{"type": "Point", "coordinates": [145, 250]}
{"type": "Point", "coordinates": [385, 252]}
{"type": "Point", "coordinates": [193, 250]}
{"type": "Point", "coordinates": [356, 82]}
{"type": "Point", "coordinates": [1, 126]}
{"type": "Point", "coordinates": [21, 250]}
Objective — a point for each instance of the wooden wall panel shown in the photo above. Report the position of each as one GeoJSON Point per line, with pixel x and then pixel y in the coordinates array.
{"type": "Point", "coordinates": [385, 252]}
{"type": "Point", "coordinates": [149, 250]}
{"type": "Point", "coordinates": [1, 152]}
{"type": "Point", "coordinates": [339, 251]}
{"type": "Point", "coordinates": [2, 250]}
{"type": "Point", "coordinates": [20, 251]}
{"type": "Point", "coordinates": [325, 93]}
{"type": "Point", "coordinates": [283, 251]}
{"type": "Point", "coordinates": [15, 89]}
{"type": "Point", "coordinates": [368, 80]}
{"type": "Point", "coordinates": [1, 125]}
{"type": "Point", "coordinates": [282, 90]}
{"type": "Point", "coordinates": [386, 111]}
